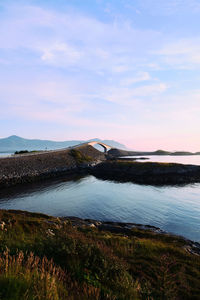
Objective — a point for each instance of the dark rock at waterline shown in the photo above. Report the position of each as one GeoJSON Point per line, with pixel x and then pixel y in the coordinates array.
{"type": "Point", "coordinates": [8, 220]}
{"type": "Point", "coordinates": [147, 172]}
{"type": "Point", "coordinates": [87, 160]}
{"type": "Point", "coordinates": [127, 229]}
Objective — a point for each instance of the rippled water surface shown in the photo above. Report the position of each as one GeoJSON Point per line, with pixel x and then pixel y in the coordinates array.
{"type": "Point", "coordinates": [180, 159]}
{"type": "Point", "coordinates": [5, 154]}
{"type": "Point", "coordinates": [174, 209]}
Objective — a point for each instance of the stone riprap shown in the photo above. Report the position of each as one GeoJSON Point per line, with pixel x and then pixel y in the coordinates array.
{"type": "Point", "coordinates": [86, 159]}
{"type": "Point", "coordinates": [33, 167]}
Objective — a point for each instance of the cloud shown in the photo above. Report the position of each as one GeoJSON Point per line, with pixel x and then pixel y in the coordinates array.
{"type": "Point", "coordinates": [139, 77]}
{"type": "Point", "coordinates": [88, 73]}
{"type": "Point", "coordinates": [43, 98]}
{"type": "Point", "coordinates": [134, 96]}
{"type": "Point", "coordinates": [169, 7]}
{"type": "Point", "coordinates": [182, 54]}
{"type": "Point", "coordinates": [87, 58]}
{"type": "Point", "coordinates": [60, 54]}
{"type": "Point", "coordinates": [69, 39]}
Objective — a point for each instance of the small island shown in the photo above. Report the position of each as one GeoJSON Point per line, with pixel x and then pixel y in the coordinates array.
{"type": "Point", "coordinates": [85, 159]}
{"type": "Point", "coordinates": [121, 152]}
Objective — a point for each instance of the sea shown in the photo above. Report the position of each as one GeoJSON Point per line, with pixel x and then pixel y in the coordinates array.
{"type": "Point", "coordinates": [174, 209]}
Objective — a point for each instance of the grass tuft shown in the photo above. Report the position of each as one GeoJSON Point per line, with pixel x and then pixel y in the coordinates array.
{"type": "Point", "coordinates": [43, 257]}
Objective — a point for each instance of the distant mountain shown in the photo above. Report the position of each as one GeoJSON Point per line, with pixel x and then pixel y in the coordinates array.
{"type": "Point", "coordinates": [16, 143]}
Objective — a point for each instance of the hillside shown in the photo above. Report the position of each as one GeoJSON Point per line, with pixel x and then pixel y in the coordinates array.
{"type": "Point", "coordinates": [44, 257]}
{"type": "Point", "coordinates": [16, 143]}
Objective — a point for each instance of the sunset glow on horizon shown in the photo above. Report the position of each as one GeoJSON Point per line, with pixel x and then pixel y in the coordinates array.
{"type": "Point", "coordinates": [118, 70]}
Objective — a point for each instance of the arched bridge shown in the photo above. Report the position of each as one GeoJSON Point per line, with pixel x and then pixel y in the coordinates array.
{"type": "Point", "coordinates": [92, 143]}
{"type": "Point", "coordinates": [105, 147]}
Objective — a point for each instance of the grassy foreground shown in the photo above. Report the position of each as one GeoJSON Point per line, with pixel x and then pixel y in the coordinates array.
{"type": "Point", "coordinates": [43, 257]}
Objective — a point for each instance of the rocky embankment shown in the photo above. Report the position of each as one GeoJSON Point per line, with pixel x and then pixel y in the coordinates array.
{"type": "Point", "coordinates": [87, 160]}
{"type": "Point", "coordinates": [34, 167]}
{"type": "Point", "coordinates": [147, 172]}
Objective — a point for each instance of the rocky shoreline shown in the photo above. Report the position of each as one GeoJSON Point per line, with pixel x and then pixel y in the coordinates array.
{"type": "Point", "coordinates": [147, 172]}
{"type": "Point", "coordinates": [126, 228]}
{"type": "Point", "coordinates": [85, 259]}
{"type": "Point", "coordinates": [122, 228]}
{"type": "Point", "coordinates": [87, 160]}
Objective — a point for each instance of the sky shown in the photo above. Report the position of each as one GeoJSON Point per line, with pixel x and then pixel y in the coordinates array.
{"type": "Point", "coordinates": [120, 69]}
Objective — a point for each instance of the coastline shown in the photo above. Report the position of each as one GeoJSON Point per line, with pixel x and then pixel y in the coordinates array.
{"type": "Point", "coordinates": [126, 228]}
{"type": "Point", "coordinates": [114, 227]}
{"type": "Point", "coordinates": [87, 160]}
{"type": "Point", "coordinates": [114, 260]}
{"type": "Point", "coordinates": [148, 173]}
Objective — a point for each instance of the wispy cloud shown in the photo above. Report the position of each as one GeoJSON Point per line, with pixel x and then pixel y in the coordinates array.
{"type": "Point", "coordinates": [70, 39]}
{"type": "Point", "coordinates": [131, 96]}
{"type": "Point", "coordinates": [182, 53]}
{"type": "Point", "coordinates": [169, 7]}
{"type": "Point", "coordinates": [140, 77]}
{"type": "Point", "coordinates": [111, 74]}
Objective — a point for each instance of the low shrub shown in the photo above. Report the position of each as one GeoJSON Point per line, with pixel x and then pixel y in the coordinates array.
{"type": "Point", "coordinates": [80, 157]}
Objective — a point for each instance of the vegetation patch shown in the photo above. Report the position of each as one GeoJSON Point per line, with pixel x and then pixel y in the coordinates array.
{"type": "Point", "coordinates": [26, 151]}
{"type": "Point", "coordinates": [43, 257]}
{"type": "Point", "coordinates": [80, 157]}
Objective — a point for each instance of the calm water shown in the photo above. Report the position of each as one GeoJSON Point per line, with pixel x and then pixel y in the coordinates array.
{"type": "Point", "coordinates": [189, 159]}
{"type": "Point", "coordinates": [174, 209]}
{"type": "Point", "coordinates": [4, 154]}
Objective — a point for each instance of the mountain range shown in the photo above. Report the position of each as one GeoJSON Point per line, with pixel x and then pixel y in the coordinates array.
{"type": "Point", "coordinates": [16, 143]}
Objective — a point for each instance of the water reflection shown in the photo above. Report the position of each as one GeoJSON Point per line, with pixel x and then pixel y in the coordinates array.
{"type": "Point", "coordinates": [180, 159]}
{"type": "Point", "coordinates": [5, 154]}
{"type": "Point", "coordinates": [45, 186]}
{"type": "Point", "coordinates": [174, 209]}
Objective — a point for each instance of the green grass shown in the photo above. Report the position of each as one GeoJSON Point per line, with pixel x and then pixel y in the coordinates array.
{"type": "Point", "coordinates": [80, 157]}
{"type": "Point", "coordinates": [26, 151]}
{"type": "Point", "coordinates": [42, 257]}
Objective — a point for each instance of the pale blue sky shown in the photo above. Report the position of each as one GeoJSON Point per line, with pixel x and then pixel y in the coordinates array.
{"type": "Point", "coordinates": [120, 69]}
